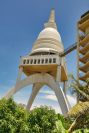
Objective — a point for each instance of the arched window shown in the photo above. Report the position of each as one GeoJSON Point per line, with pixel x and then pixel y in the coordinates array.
{"type": "Point", "coordinates": [31, 61]}
{"type": "Point", "coordinates": [42, 61]}
{"type": "Point", "coordinates": [54, 60]}
{"type": "Point", "coordinates": [27, 61]}
{"type": "Point", "coordinates": [50, 60]}
{"type": "Point", "coordinates": [24, 61]}
{"type": "Point", "coordinates": [46, 60]}
{"type": "Point", "coordinates": [38, 61]}
{"type": "Point", "coordinates": [35, 61]}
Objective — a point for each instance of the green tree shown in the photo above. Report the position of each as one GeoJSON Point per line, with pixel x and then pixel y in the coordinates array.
{"type": "Point", "coordinates": [13, 118]}
{"type": "Point", "coordinates": [80, 112]}
{"type": "Point", "coordinates": [42, 120]}
{"type": "Point", "coordinates": [82, 131]}
{"type": "Point", "coordinates": [59, 128]}
{"type": "Point", "coordinates": [65, 122]}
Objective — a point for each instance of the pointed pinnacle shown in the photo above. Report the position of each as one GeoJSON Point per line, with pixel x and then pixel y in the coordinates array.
{"type": "Point", "coordinates": [51, 23]}
{"type": "Point", "coordinates": [52, 16]}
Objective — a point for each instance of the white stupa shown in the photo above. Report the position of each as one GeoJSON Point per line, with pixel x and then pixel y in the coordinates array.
{"type": "Point", "coordinates": [44, 66]}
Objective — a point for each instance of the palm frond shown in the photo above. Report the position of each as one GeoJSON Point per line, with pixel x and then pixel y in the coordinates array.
{"type": "Point", "coordinates": [78, 109]}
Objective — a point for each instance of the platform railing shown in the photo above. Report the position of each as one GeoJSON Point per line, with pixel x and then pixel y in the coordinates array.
{"type": "Point", "coordinates": [40, 60]}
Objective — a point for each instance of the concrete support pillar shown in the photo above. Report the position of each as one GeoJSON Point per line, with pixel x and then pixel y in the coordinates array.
{"type": "Point", "coordinates": [37, 80]}
{"type": "Point", "coordinates": [14, 89]}
{"type": "Point", "coordinates": [35, 90]}
{"type": "Point", "coordinates": [64, 87]}
{"type": "Point", "coordinates": [64, 90]}
{"type": "Point", "coordinates": [18, 77]}
{"type": "Point", "coordinates": [58, 76]}
{"type": "Point", "coordinates": [19, 74]}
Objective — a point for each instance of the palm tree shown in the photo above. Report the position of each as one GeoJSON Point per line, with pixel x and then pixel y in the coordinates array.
{"type": "Point", "coordinates": [82, 89]}
{"type": "Point", "coordinates": [79, 111]}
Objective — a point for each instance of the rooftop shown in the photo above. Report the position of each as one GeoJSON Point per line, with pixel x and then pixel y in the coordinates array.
{"type": "Point", "coordinates": [85, 14]}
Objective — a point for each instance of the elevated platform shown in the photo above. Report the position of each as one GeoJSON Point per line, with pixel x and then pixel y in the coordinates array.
{"type": "Point", "coordinates": [44, 64]}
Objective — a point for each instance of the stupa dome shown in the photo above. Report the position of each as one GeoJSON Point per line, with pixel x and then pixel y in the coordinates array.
{"type": "Point", "coordinates": [49, 39]}
{"type": "Point", "coordinates": [50, 33]}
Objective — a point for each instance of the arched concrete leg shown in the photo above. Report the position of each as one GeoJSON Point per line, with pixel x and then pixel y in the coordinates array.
{"type": "Point", "coordinates": [44, 79]}
{"type": "Point", "coordinates": [64, 90]}
{"type": "Point", "coordinates": [10, 93]}
{"type": "Point", "coordinates": [64, 87]}
{"type": "Point", "coordinates": [58, 76]}
{"type": "Point", "coordinates": [35, 90]}
{"type": "Point", "coordinates": [59, 94]}
{"type": "Point", "coordinates": [13, 90]}
{"type": "Point", "coordinates": [19, 74]}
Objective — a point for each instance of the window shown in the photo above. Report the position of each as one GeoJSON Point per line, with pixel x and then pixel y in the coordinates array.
{"type": "Point", "coordinates": [42, 61]}
{"type": "Point", "coordinates": [46, 60]}
{"type": "Point", "coordinates": [38, 61]}
{"type": "Point", "coordinates": [24, 62]}
{"type": "Point", "coordinates": [27, 61]}
{"type": "Point", "coordinates": [35, 61]}
{"type": "Point", "coordinates": [31, 61]}
{"type": "Point", "coordinates": [50, 60]}
{"type": "Point", "coordinates": [54, 60]}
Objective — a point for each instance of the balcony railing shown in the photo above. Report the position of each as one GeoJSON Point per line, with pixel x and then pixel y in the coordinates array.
{"type": "Point", "coordinates": [40, 60]}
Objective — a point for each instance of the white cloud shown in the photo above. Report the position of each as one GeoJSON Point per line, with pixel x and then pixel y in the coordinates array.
{"type": "Point", "coordinates": [46, 92]}
{"type": "Point", "coordinates": [72, 100]}
{"type": "Point", "coordinates": [48, 99]}
{"type": "Point", "coordinates": [51, 97]}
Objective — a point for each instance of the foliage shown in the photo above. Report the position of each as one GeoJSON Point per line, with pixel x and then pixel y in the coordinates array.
{"type": "Point", "coordinates": [80, 112]}
{"type": "Point", "coordinates": [59, 128]}
{"type": "Point", "coordinates": [42, 120]}
{"type": "Point", "coordinates": [12, 117]}
{"type": "Point", "coordinates": [66, 122]}
{"type": "Point", "coordinates": [81, 89]}
{"type": "Point", "coordinates": [78, 109]}
{"type": "Point", "coordinates": [82, 131]}
{"type": "Point", "coordinates": [15, 119]}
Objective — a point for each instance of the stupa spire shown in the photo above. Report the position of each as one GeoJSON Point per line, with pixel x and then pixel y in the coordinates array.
{"type": "Point", "coordinates": [52, 16]}
{"type": "Point", "coordinates": [51, 22]}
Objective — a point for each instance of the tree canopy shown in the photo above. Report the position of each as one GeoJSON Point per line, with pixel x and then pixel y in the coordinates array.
{"type": "Point", "coordinates": [15, 119]}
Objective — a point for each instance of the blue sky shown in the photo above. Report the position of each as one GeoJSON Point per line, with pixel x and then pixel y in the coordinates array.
{"type": "Point", "coordinates": [20, 23]}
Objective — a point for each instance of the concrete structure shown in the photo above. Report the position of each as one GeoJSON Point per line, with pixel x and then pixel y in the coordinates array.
{"type": "Point", "coordinates": [44, 66]}
{"type": "Point", "coordinates": [83, 47]}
